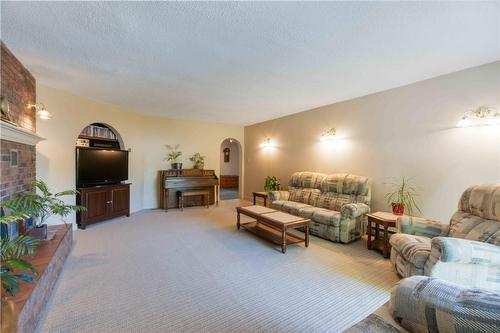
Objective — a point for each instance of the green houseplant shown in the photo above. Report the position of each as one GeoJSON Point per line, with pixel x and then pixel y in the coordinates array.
{"type": "Point", "coordinates": [272, 184]}
{"type": "Point", "coordinates": [14, 270]}
{"type": "Point", "coordinates": [173, 156]}
{"type": "Point", "coordinates": [198, 161]}
{"type": "Point", "coordinates": [41, 205]}
{"type": "Point", "coordinates": [402, 196]}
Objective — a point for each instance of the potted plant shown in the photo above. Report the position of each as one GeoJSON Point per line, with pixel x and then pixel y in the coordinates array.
{"type": "Point", "coordinates": [41, 206]}
{"type": "Point", "coordinates": [14, 270]}
{"type": "Point", "coordinates": [272, 184]}
{"type": "Point", "coordinates": [402, 196]}
{"type": "Point", "coordinates": [173, 157]}
{"type": "Point", "coordinates": [198, 161]}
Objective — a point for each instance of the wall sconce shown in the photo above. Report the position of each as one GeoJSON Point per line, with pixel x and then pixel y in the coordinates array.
{"type": "Point", "coordinates": [328, 135]}
{"type": "Point", "coordinates": [267, 144]}
{"type": "Point", "coordinates": [40, 110]}
{"type": "Point", "coordinates": [481, 116]}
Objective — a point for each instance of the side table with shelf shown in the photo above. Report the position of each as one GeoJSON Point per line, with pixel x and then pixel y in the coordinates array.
{"type": "Point", "coordinates": [377, 222]}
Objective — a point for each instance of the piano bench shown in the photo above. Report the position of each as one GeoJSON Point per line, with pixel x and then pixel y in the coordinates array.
{"type": "Point", "coordinates": [190, 193]}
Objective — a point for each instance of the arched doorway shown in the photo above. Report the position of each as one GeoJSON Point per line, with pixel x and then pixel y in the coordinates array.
{"type": "Point", "coordinates": [230, 169]}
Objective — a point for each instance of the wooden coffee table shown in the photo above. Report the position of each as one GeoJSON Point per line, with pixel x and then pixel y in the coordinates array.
{"type": "Point", "coordinates": [273, 225]}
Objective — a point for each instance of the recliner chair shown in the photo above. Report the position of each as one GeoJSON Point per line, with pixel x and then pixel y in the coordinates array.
{"type": "Point", "coordinates": [466, 251]}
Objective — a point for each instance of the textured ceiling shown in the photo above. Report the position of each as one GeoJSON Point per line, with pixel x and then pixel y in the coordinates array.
{"type": "Point", "coordinates": [244, 62]}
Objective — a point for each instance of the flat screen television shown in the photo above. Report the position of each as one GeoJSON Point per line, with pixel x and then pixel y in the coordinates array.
{"type": "Point", "coordinates": [100, 166]}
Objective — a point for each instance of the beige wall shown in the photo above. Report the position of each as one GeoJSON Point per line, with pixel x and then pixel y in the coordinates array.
{"type": "Point", "coordinates": [145, 136]}
{"type": "Point", "coordinates": [231, 167]}
{"type": "Point", "coordinates": [406, 131]}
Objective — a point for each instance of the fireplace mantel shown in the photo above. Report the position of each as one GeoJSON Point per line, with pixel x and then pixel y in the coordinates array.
{"type": "Point", "coordinates": [13, 133]}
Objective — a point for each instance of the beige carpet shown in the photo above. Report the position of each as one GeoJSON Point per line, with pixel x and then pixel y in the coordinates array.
{"type": "Point", "coordinates": [192, 271]}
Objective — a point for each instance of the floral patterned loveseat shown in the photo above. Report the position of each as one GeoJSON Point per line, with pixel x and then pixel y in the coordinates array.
{"type": "Point", "coordinates": [336, 204]}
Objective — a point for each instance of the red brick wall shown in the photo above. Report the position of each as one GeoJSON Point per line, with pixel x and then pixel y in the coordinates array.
{"type": "Point", "coordinates": [18, 88]}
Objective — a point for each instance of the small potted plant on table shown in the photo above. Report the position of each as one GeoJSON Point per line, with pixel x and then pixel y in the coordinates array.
{"type": "Point", "coordinates": [173, 157]}
{"type": "Point", "coordinates": [402, 196]}
{"type": "Point", "coordinates": [272, 184]}
{"type": "Point", "coordinates": [198, 161]}
{"type": "Point", "coordinates": [41, 206]}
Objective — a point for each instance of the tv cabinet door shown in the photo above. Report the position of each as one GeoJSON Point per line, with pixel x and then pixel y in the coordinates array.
{"type": "Point", "coordinates": [96, 201]}
{"type": "Point", "coordinates": [120, 200]}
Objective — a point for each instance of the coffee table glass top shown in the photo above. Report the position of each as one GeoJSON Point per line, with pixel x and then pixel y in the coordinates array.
{"type": "Point", "coordinates": [258, 209]}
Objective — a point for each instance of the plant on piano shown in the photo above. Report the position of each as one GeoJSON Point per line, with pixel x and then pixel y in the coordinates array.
{"type": "Point", "coordinates": [13, 269]}
{"type": "Point", "coordinates": [198, 161]}
{"type": "Point", "coordinates": [173, 156]}
{"type": "Point", "coordinates": [272, 184]}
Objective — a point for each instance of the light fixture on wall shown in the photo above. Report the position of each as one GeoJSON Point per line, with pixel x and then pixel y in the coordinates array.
{"type": "Point", "coordinates": [40, 110]}
{"type": "Point", "coordinates": [481, 116]}
{"type": "Point", "coordinates": [328, 135]}
{"type": "Point", "coordinates": [267, 143]}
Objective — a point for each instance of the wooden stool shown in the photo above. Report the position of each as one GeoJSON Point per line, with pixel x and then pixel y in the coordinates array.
{"type": "Point", "coordinates": [189, 193]}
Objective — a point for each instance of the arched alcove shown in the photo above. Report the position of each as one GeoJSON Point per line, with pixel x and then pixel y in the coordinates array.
{"type": "Point", "coordinates": [230, 169]}
{"type": "Point", "coordinates": [104, 135]}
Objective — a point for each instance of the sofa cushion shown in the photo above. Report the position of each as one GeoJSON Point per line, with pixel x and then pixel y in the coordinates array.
{"type": "Point", "coordinates": [326, 216]}
{"type": "Point", "coordinates": [482, 201]}
{"type": "Point", "coordinates": [299, 194]}
{"type": "Point", "coordinates": [307, 211]}
{"type": "Point", "coordinates": [306, 179]}
{"type": "Point", "coordinates": [277, 204]}
{"type": "Point", "coordinates": [293, 207]}
{"type": "Point", "coordinates": [472, 227]}
{"type": "Point", "coordinates": [332, 201]}
{"type": "Point", "coordinates": [415, 249]}
{"type": "Point", "coordinates": [346, 184]}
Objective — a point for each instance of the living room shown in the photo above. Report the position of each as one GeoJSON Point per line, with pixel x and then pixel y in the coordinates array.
{"type": "Point", "coordinates": [330, 130]}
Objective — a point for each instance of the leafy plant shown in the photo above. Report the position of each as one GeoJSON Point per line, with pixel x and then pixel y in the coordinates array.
{"type": "Point", "coordinates": [272, 184]}
{"type": "Point", "coordinates": [43, 204]}
{"type": "Point", "coordinates": [174, 153]}
{"type": "Point", "coordinates": [13, 269]}
{"type": "Point", "coordinates": [403, 193]}
{"type": "Point", "coordinates": [198, 160]}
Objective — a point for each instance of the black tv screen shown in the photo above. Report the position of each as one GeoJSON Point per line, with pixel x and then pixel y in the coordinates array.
{"type": "Point", "coordinates": [100, 166]}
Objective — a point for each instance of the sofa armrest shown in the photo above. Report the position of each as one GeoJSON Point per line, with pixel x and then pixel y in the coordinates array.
{"type": "Point", "coordinates": [424, 304]}
{"type": "Point", "coordinates": [278, 195]}
{"type": "Point", "coordinates": [419, 226]}
{"type": "Point", "coordinates": [464, 251]}
{"type": "Point", "coordinates": [354, 210]}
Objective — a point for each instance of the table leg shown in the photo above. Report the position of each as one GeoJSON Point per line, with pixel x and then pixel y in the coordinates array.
{"type": "Point", "coordinates": [369, 244]}
{"type": "Point", "coordinates": [386, 241]}
{"type": "Point", "coordinates": [166, 197]}
{"type": "Point", "coordinates": [307, 234]}
{"type": "Point", "coordinates": [254, 199]}
{"type": "Point", "coordinates": [182, 201]}
{"type": "Point", "coordinates": [283, 240]}
{"type": "Point", "coordinates": [238, 220]}
{"type": "Point", "coordinates": [265, 201]}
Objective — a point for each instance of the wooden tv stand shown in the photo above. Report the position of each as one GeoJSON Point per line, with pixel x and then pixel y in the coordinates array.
{"type": "Point", "coordinates": [103, 202]}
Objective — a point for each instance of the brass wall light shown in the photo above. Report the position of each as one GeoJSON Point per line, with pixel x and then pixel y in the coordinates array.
{"type": "Point", "coordinates": [481, 116]}
{"type": "Point", "coordinates": [40, 110]}
{"type": "Point", "coordinates": [328, 135]}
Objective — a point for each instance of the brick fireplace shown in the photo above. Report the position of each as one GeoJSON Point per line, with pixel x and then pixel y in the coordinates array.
{"type": "Point", "coordinates": [18, 153]}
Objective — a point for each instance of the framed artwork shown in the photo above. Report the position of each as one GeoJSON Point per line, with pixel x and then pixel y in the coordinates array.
{"type": "Point", "coordinates": [227, 152]}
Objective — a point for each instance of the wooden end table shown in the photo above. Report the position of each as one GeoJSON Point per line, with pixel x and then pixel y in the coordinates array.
{"type": "Point", "coordinates": [273, 225]}
{"type": "Point", "coordinates": [262, 195]}
{"type": "Point", "coordinates": [385, 220]}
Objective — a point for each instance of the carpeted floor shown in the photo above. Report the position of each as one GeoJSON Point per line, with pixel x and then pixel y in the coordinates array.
{"type": "Point", "coordinates": [192, 271]}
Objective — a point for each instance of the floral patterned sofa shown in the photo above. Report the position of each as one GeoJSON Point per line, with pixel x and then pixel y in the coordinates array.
{"type": "Point", "coordinates": [336, 204]}
{"type": "Point", "coordinates": [466, 251]}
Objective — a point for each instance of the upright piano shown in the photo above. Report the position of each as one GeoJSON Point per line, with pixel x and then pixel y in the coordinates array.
{"type": "Point", "coordinates": [172, 181]}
